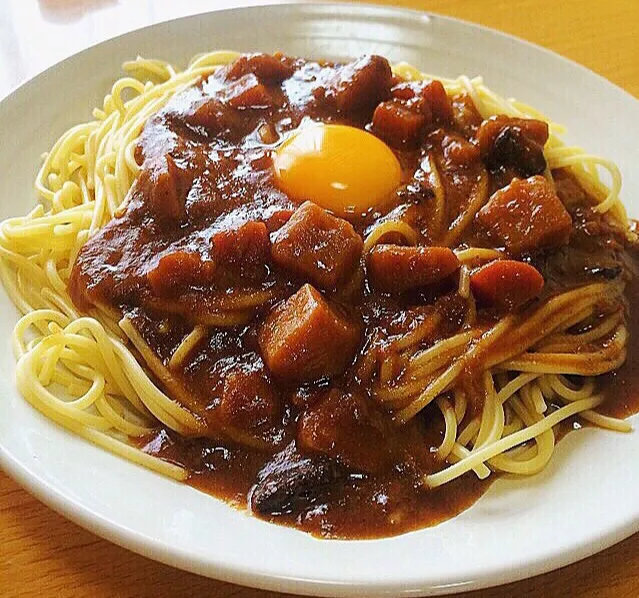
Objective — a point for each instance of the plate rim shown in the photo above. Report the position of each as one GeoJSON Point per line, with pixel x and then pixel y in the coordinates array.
{"type": "Point", "coordinates": [151, 547]}
{"type": "Point", "coordinates": [326, 3]}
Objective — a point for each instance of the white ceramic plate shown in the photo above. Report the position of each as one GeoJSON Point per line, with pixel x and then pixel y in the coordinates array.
{"type": "Point", "coordinates": [587, 499]}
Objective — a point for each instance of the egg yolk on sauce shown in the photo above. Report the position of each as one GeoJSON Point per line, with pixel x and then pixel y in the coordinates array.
{"type": "Point", "coordinates": [340, 168]}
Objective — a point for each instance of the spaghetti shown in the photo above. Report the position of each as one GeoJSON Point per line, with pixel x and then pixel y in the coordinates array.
{"type": "Point", "coordinates": [531, 369]}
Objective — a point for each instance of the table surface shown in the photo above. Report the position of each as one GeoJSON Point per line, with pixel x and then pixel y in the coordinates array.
{"type": "Point", "coordinates": [41, 553]}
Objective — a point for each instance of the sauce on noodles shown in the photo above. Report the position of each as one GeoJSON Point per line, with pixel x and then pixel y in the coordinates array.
{"type": "Point", "coordinates": [338, 366]}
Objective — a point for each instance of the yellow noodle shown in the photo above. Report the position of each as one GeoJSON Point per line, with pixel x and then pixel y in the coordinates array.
{"type": "Point", "coordinates": [394, 227]}
{"type": "Point", "coordinates": [450, 422]}
{"type": "Point", "coordinates": [504, 444]}
{"type": "Point", "coordinates": [186, 346]}
{"type": "Point", "coordinates": [107, 395]}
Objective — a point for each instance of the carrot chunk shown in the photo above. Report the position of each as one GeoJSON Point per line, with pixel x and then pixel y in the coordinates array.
{"type": "Point", "coordinates": [506, 284]}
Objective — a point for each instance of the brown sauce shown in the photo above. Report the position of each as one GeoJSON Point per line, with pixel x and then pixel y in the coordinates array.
{"type": "Point", "coordinates": [291, 428]}
{"type": "Point", "coordinates": [621, 387]}
{"type": "Point", "coordinates": [387, 504]}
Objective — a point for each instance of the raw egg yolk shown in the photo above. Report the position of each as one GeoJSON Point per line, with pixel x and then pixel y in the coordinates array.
{"type": "Point", "coordinates": [342, 169]}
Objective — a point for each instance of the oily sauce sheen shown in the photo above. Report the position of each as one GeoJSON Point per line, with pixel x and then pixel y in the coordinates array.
{"type": "Point", "coordinates": [286, 306]}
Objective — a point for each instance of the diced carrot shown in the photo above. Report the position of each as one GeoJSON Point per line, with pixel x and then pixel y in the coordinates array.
{"type": "Point", "coordinates": [506, 284]}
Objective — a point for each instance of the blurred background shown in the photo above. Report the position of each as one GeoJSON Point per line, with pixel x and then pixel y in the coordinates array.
{"type": "Point", "coordinates": [600, 35]}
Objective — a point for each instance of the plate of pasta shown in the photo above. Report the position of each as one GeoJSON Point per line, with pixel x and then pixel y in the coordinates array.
{"type": "Point", "coordinates": [340, 308]}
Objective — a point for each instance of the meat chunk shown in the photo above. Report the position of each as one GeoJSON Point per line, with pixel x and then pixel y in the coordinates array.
{"type": "Point", "coordinates": [429, 98]}
{"type": "Point", "coordinates": [165, 188]}
{"type": "Point", "coordinates": [456, 150]}
{"type": "Point", "coordinates": [278, 219]}
{"type": "Point", "coordinates": [569, 191]}
{"type": "Point", "coordinates": [291, 483]}
{"type": "Point", "coordinates": [516, 143]}
{"type": "Point", "coordinates": [179, 270]}
{"type": "Point", "coordinates": [306, 338]}
{"type": "Point", "coordinates": [438, 103]}
{"type": "Point", "coordinates": [579, 263]}
{"type": "Point", "coordinates": [403, 90]}
{"type": "Point", "coordinates": [243, 252]}
{"type": "Point", "coordinates": [534, 130]}
{"type": "Point", "coordinates": [248, 92]}
{"type": "Point", "coordinates": [349, 429]}
{"type": "Point", "coordinates": [267, 68]}
{"type": "Point", "coordinates": [212, 115]}
{"type": "Point", "coordinates": [506, 284]}
{"type": "Point", "coordinates": [415, 108]}
{"type": "Point", "coordinates": [249, 406]}
{"type": "Point", "coordinates": [466, 117]}
{"type": "Point", "coordinates": [317, 246]}
{"type": "Point", "coordinates": [361, 85]}
{"type": "Point", "coordinates": [395, 268]}
{"type": "Point", "coordinates": [526, 216]}
{"type": "Point", "coordinates": [240, 253]}
{"type": "Point", "coordinates": [397, 124]}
